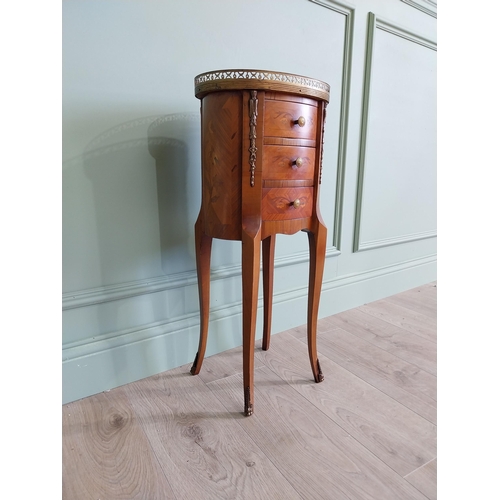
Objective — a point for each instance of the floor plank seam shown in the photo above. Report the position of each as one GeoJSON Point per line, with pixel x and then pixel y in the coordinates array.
{"type": "Point", "coordinates": [378, 347]}
{"type": "Point", "coordinates": [399, 326]}
{"type": "Point", "coordinates": [148, 440]}
{"type": "Point", "coordinates": [418, 468]}
{"type": "Point", "coordinates": [403, 331]}
{"type": "Point", "coordinates": [377, 388]}
{"type": "Point", "coordinates": [270, 458]}
{"type": "Point", "coordinates": [366, 450]}
{"type": "Point", "coordinates": [428, 315]}
{"type": "Point", "coordinates": [208, 384]}
{"type": "Point", "coordinates": [385, 350]}
{"type": "Point", "coordinates": [421, 492]}
{"type": "Point", "coordinates": [377, 404]}
{"type": "Point", "coordinates": [340, 426]}
{"type": "Point", "coordinates": [384, 392]}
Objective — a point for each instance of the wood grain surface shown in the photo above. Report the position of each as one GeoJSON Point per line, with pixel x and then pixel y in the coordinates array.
{"type": "Point", "coordinates": [280, 96]}
{"type": "Point", "coordinates": [391, 338]}
{"type": "Point", "coordinates": [280, 118]}
{"type": "Point", "coordinates": [407, 319]}
{"type": "Point", "coordinates": [279, 162]}
{"type": "Point", "coordinates": [245, 183]}
{"type": "Point", "coordinates": [403, 381]}
{"type": "Point", "coordinates": [221, 138]}
{"type": "Point", "coordinates": [291, 226]}
{"type": "Point", "coordinates": [315, 455]}
{"type": "Point", "coordinates": [278, 203]}
{"type": "Point", "coordinates": [285, 141]}
{"type": "Point", "coordinates": [366, 432]}
{"type": "Point", "coordinates": [200, 446]}
{"type": "Point", "coordinates": [391, 431]}
{"type": "Point", "coordinates": [425, 479]}
{"type": "Point", "coordinates": [106, 453]}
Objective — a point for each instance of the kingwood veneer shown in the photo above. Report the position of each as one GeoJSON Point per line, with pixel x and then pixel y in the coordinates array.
{"type": "Point", "coordinates": [262, 148]}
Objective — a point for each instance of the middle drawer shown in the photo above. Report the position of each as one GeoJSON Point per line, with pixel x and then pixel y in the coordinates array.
{"type": "Point", "coordinates": [288, 162]}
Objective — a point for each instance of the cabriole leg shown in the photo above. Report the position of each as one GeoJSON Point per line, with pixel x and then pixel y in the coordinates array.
{"type": "Point", "coordinates": [317, 249]}
{"type": "Point", "coordinates": [203, 250]}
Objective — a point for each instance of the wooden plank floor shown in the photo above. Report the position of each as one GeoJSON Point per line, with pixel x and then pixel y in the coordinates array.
{"type": "Point", "coordinates": [367, 432]}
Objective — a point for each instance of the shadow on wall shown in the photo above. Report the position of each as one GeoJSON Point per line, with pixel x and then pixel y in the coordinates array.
{"type": "Point", "coordinates": [168, 139]}
{"type": "Point", "coordinates": [141, 207]}
{"type": "Point", "coordinates": [130, 202]}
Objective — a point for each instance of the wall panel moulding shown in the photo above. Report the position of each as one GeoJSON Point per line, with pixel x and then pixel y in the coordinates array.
{"type": "Point", "coordinates": [397, 145]}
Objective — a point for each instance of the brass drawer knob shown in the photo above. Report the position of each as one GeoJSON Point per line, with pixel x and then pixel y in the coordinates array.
{"type": "Point", "coordinates": [296, 203]}
{"type": "Point", "coordinates": [299, 162]}
{"type": "Point", "coordinates": [300, 121]}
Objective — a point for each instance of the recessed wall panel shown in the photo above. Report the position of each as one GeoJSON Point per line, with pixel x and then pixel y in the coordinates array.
{"type": "Point", "coordinates": [398, 171]}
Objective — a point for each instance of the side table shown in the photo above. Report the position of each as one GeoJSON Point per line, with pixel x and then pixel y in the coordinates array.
{"type": "Point", "coordinates": [262, 147]}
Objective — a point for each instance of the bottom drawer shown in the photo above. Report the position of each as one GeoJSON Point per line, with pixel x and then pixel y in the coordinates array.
{"type": "Point", "coordinates": [287, 203]}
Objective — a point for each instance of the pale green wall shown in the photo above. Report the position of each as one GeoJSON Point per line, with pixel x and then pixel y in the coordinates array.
{"type": "Point", "coordinates": [130, 303]}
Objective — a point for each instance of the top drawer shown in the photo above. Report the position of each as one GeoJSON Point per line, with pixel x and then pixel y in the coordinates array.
{"type": "Point", "coordinates": [290, 119]}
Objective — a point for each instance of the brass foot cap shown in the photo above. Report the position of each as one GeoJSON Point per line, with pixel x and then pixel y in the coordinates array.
{"type": "Point", "coordinates": [195, 362]}
{"type": "Point", "coordinates": [319, 378]}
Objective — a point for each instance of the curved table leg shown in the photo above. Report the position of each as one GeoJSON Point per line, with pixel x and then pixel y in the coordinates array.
{"type": "Point", "coordinates": [203, 251]}
{"type": "Point", "coordinates": [268, 246]}
{"type": "Point", "coordinates": [317, 249]}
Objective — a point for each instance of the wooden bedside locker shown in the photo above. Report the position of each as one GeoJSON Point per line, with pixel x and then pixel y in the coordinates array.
{"type": "Point", "coordinates": [262, 148]}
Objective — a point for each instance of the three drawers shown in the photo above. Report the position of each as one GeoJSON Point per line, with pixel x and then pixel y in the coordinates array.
{"type": "Point", "coordinates": [289, 158]}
